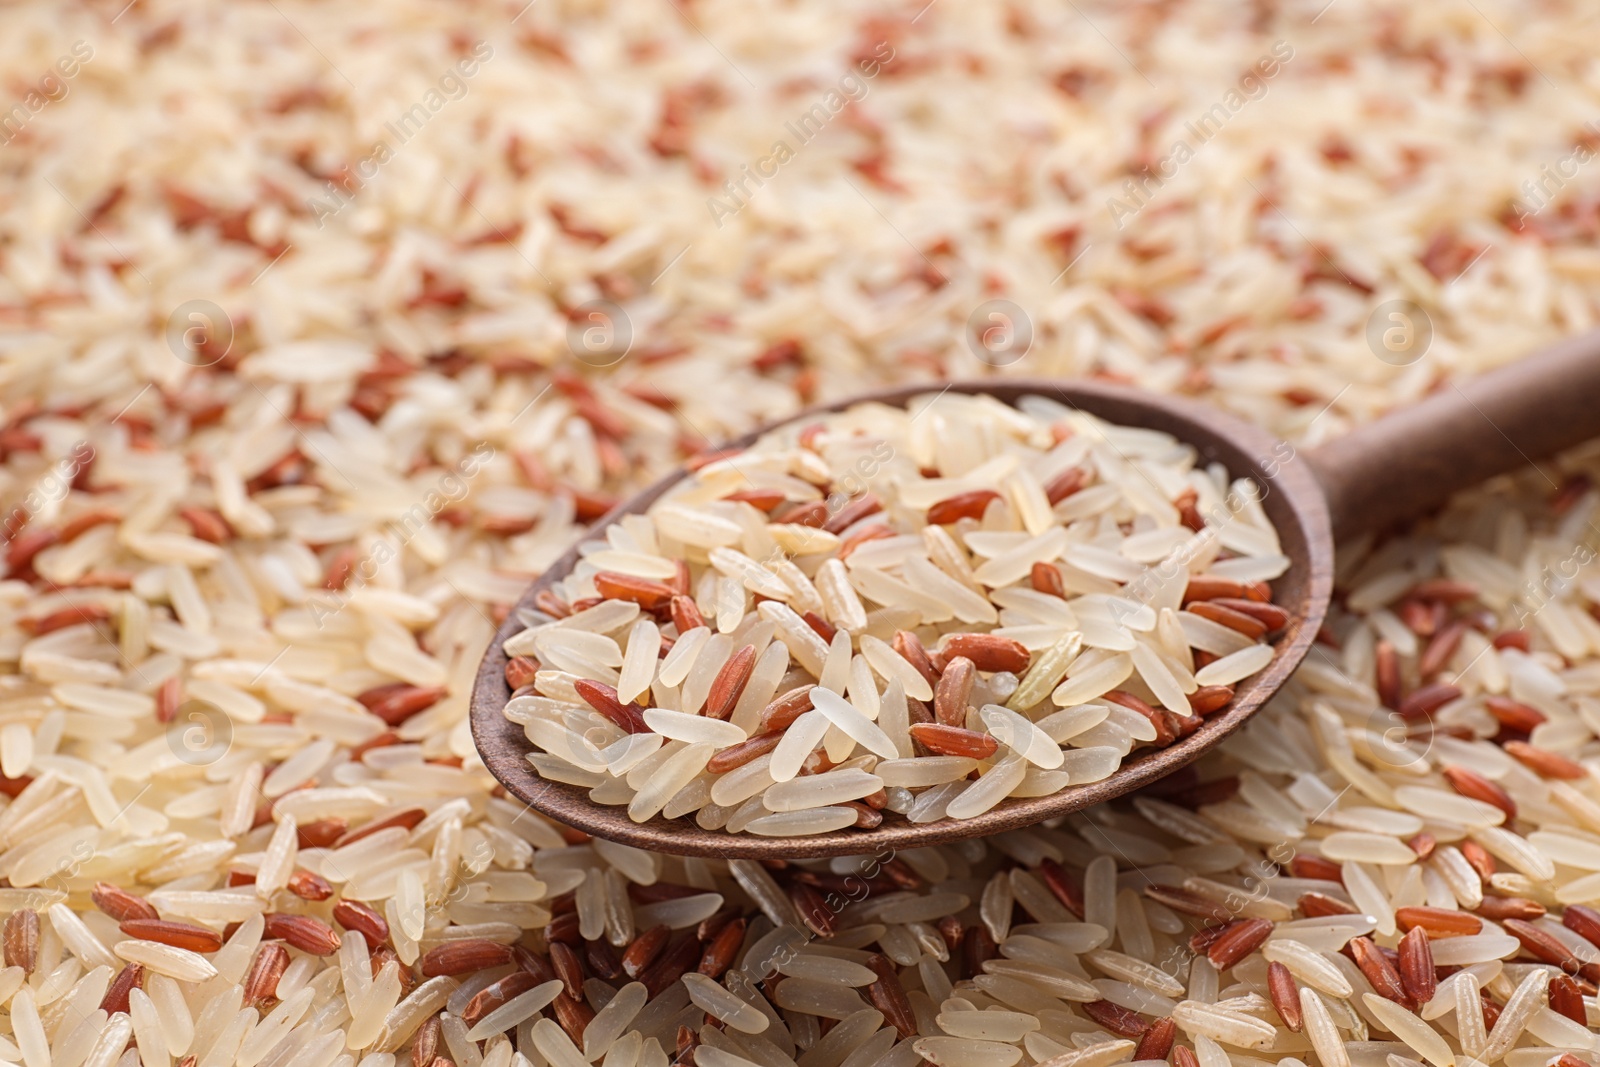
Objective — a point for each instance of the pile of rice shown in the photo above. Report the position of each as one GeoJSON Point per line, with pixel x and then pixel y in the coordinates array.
{"type": "Point", "coordinates": [326, 329]}
{"type": "Point", "coordinates": [1107, 594]}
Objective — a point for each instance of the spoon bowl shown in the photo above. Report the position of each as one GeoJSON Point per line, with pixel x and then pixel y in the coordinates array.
{"type": "Point", "coordinates": [1292, 499]}
{"type": "Point", "coordinates": [1398, 467]}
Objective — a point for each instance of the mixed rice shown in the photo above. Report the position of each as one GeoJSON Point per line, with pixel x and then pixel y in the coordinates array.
{"type": "Point", "coordinates": [920, 612]}
{"type": "Point", "coordinates": [290, 422]}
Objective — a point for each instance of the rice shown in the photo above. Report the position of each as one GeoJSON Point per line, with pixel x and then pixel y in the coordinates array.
{"type": "Point", "coordinates": [175, 963]}
{"type": "Point", "coordinates": [948, 597]}
{"type": "Point", "coordinates": [827, 969]}
{"type": "Point", "coordinates": [962, 1052]}
{"type": "Point", "coordinates": [809, 820]}
{"type": "Point", "coordinates": [1519, 1008]}
{"type": "Point", "coordinates": [1207, 1021]}
{"type": "Point", "coordinates": [679, 913]}
{"type": "Point", "coordinates": [514, 1011]}
{"type": "Point", "coordinates": [722, 1004]}
{"type": "Point", "coordinates": [611, 1021]}
{"type": "Point", "coordinates": [255, 546]}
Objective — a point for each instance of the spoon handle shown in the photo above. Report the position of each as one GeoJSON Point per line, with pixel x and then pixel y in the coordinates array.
{"type": "Point", "coordinates": [1411, 460]}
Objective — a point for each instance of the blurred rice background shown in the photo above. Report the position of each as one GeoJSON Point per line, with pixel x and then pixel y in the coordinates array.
{"type": "Point", "coordinates": [275, 275]}
{"type": "Point", "coordinates": [187, 157]}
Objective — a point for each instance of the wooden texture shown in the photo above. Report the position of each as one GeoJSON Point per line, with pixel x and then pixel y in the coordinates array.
{"type": "Point", "coordinates": [1410, 461]}
{"type": "Point", "coordinates": [1293, 502]}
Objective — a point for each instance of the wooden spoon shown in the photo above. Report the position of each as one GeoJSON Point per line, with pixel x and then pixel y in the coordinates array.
{"type": "Point", "coordinates": [1399, 467]}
